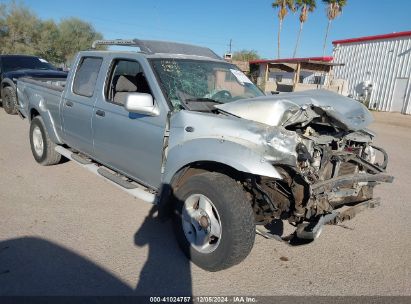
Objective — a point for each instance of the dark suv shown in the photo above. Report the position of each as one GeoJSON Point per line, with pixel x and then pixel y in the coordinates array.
{"type": "Point", "coordinates": [13, 67]}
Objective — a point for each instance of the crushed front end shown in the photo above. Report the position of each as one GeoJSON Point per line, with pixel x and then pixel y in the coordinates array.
{"type": "Point", "coordinates": [333, 177]}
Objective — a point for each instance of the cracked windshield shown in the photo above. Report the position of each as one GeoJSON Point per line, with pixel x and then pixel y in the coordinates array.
{"type": "Point", "coordinates": [187, 83]}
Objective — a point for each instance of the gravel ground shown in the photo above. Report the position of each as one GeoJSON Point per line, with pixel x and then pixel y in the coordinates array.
{"type": "Point", "coordinates": [65, 231]}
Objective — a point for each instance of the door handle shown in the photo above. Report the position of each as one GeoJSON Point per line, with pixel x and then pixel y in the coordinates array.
{"type": "Point", "coordinates": [69, 103]}
{"type": "Point", "coordinates": [100, 113]}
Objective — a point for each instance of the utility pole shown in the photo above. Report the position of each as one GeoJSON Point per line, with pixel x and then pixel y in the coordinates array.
{"type": "Point", "coordinates": [227, 56]}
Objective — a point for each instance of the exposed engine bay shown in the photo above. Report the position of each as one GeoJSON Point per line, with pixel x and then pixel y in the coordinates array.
{"type": "Point", "coordinates": [333, 169]}
{"type": "Point", "coordinates": [337, 165]}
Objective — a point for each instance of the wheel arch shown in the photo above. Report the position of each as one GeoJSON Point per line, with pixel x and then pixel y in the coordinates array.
{"type": "Point", "coordinates": [7, 83]}
{"type": "Point", "coordinates": [48, 123]}
{"type": "Point", "coordinates": [228, 156]}
{"type": "Point", "coordinates": [199, 167]}
{"type": "Point", "coordinates": [33, 113]}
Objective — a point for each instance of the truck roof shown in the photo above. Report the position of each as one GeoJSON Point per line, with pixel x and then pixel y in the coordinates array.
{"type": "Point", "coordinates": [162, 49]}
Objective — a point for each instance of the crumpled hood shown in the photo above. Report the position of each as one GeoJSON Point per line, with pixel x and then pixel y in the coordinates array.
{"type": "Point", "coordinates": [301, 107]}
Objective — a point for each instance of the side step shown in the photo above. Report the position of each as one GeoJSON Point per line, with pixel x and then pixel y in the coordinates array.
{"type": "Point", "coordinates": [115, 178]}
{"type": "Point", "coordinates": [80, 159]}
{"type": "Point", "coordinates": [138, 191]}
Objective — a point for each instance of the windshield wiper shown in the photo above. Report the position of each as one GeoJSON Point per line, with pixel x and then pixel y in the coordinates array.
{"type": "Point", "coordinates": [203, 99]}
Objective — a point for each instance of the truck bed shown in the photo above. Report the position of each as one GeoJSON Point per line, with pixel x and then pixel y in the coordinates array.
{"type": "Point", "coordinates": [36, 92]}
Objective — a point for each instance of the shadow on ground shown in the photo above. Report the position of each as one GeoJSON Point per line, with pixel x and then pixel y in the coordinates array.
{"type": "Point", "coordinates": [34, 266]}
{"type": "Point", "coordinates": [167, 271]}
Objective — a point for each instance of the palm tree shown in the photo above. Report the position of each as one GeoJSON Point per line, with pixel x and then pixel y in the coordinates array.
{"type": "Point", "coordinates": [283, 7]}
{"type": "Point", "coordinates": [334, 9]}
{"type": "Point", "coordinates": [305, 6]}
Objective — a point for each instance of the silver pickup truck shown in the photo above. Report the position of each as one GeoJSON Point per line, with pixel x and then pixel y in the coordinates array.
{"type": "Point", "coordinates": [175, 125]}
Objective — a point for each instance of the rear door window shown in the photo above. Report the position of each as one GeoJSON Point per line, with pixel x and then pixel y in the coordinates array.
{"type": "Point", "coordinates": [86, 76]}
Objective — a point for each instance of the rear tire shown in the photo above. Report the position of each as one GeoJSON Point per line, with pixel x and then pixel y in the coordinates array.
{"type": "Point", "coordinates": [213, 221]}
{"type": "Point", "coordinates": [41, 145]}
{"type": "Point", "coordinates": [9, 100]}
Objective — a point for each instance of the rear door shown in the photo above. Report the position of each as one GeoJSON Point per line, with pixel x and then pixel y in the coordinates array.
{"type": "Point", "coordinates": [127, 142]}
{"type": "Point", "coordinates": [78, 103]}
{"type": "Point", "coordinates": [400, 92]}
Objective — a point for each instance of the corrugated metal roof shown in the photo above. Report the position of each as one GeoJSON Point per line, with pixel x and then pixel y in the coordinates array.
{"type": "Point", "coordinates": [375, 37]}
{"type": "Point", "coordinates": [293, 60]}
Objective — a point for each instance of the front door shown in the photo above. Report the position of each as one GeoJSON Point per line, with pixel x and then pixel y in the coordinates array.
{"type": "Point", "coordinates": [129, 143]}
{"type": "Point", "coordinates": [78, 104]}
{"type": "Point", "coordinates": [398, 98]}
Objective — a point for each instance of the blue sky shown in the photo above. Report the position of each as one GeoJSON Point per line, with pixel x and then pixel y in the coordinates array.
{"type": "Point", "coordinates": [212, 23]}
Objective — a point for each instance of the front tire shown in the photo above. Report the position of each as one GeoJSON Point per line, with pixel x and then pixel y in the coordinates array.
{"type": "Point", "coordinates": [41, 145]}
{"type": "Point", "coordinates": [9, 100]}
{"type": "Point", "coordinates": [213, 221]}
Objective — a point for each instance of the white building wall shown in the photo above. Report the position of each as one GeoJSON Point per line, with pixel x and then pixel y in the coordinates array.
{"type": "Point", "coordinates": [381, 62]}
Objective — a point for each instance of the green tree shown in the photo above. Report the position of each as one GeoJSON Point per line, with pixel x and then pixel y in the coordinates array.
{"type": "Point", "coordinates": [305, 7]}
{"type": "Point", "coordinates": [48, 42]}
{"type": "Point", "coordinates": [3, 28]}
{"type": "Point", "coordinates": [75, 35]}
{"type": "Point", "coordinates": [333, 10]}
{"type": "Point", "coordinates": [283, 7]}
{"type": "Point", "coordinates": [245, 55]}
{"type": "Point", "coordinates": [20, 30]}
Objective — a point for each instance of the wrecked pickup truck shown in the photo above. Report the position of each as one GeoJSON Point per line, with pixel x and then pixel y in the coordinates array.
{"type": "Point", "coordinates": [175, 125]}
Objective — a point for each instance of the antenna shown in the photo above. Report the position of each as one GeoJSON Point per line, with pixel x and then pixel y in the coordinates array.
{"type": "Point", "coordinates": [228, 56]}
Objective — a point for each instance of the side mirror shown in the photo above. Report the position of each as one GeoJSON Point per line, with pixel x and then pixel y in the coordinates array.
{"type": "Point", "coordinates": [141, 103]}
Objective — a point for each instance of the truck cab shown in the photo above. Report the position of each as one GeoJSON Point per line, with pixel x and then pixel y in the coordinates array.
{"type": "Point", "coordinates": [96, 121]}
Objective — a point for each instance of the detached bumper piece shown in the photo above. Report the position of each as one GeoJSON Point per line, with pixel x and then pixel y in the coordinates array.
{"type": "Point", "coordinates": [312, 230]}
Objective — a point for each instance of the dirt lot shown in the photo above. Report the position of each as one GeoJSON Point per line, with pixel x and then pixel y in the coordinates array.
{"type": "Point", "coordinates": [64, 231]}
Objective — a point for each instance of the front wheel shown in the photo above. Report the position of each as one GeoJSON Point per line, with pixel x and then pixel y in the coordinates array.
{"type": "Point", "coordinates": [41, 145]}
{"type": "Point", "coordinates": [213, 221]}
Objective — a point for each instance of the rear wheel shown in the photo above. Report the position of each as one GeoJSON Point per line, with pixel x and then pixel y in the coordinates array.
{"type": "Point", "coordinates": [41, 145]}
{"type": "Point", "coordinates": [9, 100]}
{"type": "Point", "coordinates": [213, 221]}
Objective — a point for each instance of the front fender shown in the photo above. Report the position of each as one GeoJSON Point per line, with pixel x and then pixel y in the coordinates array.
{"type": "Point", "coordinates": [226, 152]}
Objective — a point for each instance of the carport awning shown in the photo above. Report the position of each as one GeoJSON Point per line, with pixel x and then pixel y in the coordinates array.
{"type": "Point", "coordinates": [322, 64]}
